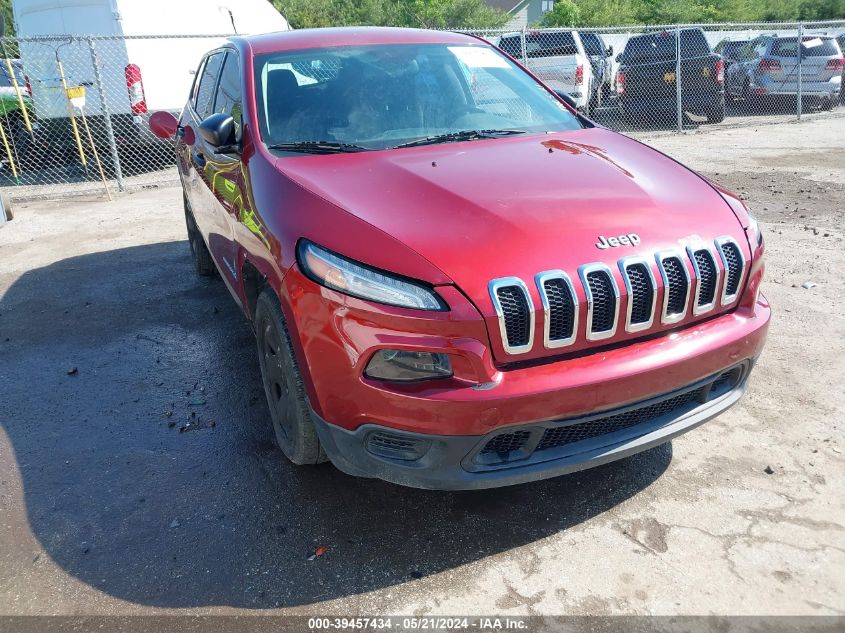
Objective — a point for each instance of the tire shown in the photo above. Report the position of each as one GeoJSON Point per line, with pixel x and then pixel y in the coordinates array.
{"type": "Point", "coordinates": [826, 104]}
{"type": "Point", "coordinates": [7, 207]}
{"type": "Point", "coordinates": [286, 398]}
{"type": "Point", "coordinates": [716, 114]}
{"type": "Point", "coordinates": [203, 263]}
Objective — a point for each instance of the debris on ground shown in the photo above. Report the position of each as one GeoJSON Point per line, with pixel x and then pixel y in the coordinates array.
{"type": "Point", "coordinates": [174, 523]}
{"type": "Point", "coordinates": [319, 551]}
{"type": "Point", "coordinates": [768, 470]}
{"type": "Point", "coordinates": [808, 284]}
{"type": "Point", "coordinates": [72, 371]}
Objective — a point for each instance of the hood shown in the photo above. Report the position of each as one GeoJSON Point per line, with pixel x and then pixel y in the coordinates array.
{"type": "Point", "coordinates": [517, 206]}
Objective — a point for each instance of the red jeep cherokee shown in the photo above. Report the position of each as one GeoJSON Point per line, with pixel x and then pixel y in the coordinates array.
{"type": "Point", "coordinates": [455, 280]}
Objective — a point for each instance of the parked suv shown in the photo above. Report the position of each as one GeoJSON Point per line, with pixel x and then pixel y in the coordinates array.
{"type": "Point", "coordinates": [768, 67]}
{"type": "Point", "coordinates": [647, 76]}
{"type": "Point", "coordinates": [455, 280]}
{"type": "Point", "coordinates": [560, 60]}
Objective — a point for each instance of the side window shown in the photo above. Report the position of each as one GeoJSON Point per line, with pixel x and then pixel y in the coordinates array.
{"type": "Point", "coordinates": [203, 102]}
{"type": "Point", "coordinates": [228, 99]}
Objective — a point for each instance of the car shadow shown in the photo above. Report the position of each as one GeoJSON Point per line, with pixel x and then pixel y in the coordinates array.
{"type": "Point", "coordinates": [139, 429]}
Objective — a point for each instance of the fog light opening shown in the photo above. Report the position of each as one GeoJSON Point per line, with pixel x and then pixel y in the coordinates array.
{"type": "Point", "coordinates": [407, 366]}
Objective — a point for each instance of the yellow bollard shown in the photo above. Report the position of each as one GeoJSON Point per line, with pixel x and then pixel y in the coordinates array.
{"type": "Point", "coordinates": [72, 116]}
{"type": "Point", "coordinates": [8, 150]}
{"type": "Point", "coordinates": [14, 81]}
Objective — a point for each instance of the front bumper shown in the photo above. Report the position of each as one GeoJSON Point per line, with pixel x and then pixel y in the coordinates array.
{"type": "Point", "coordinates": [529, 452]}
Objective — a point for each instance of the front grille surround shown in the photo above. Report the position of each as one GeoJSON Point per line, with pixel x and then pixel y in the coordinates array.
{"type": "Point", "coordinates": [512, 282]}
{"type": "Point", "coordinates": [687, 277]}
{"type": "Point", "coordinates": [541, 279]}
{"type": "Point", "coordinates": [584, 272]}
{"type": "Point", "coordinates": [625, 264]}
{"type": "Point", "coordinates": [722, 244]}
{"type": "Point", "coordinates": [662, 257]}
{"type": "Point", "coordinates": [698, 307]}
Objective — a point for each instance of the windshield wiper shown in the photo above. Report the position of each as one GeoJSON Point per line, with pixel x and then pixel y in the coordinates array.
{"type": "Point", "coordinates": [318, 147]}
{"type": "Point", "coordinates": [464, 135]}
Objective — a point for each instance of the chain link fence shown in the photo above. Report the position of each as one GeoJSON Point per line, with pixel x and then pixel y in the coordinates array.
{"type": "Point", "coordinates": [681, 77]}
{"type": "Point", "coordinates": [75, 109]}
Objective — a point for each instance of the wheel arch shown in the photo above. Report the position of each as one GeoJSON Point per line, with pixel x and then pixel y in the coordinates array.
{"type": "Point", "coordinates": [254, 282]}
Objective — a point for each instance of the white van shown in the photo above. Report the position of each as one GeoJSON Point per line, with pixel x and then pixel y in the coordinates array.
{"type": "Point", "coordinates": [139, 75]}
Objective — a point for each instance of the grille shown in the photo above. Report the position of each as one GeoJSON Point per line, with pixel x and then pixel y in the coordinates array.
{"type": "Point", "coordinates": [396, 446]}
{"type": "Point", "coordinates": [733, 260]}
{"type": "Point", "coordinates": [516, 315]}
{"type": "Point", "coordinates": [561, 309]}
{"type": "Point", "coordinates": [560, 436]}
{"type": "Point", "coordinates": [666, 410]}
{"type": "Point", "coordinates": [507, 442]}
{"type": "Point", "coordinates": [707, 277]}
{"type": "Point", "coordinates": [604, 300]}
{"type": "Point", "coordinates": [642, 294]}
{"type": "Point", "coordinates": [677, 282]}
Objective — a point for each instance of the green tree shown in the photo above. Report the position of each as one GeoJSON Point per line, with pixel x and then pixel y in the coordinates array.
{"type": "Point", "coordinates": [564, 13]}
{"type": "Point", "coordinates": [437, 14]}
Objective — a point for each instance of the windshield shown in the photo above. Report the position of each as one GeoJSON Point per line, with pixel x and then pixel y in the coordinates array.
{"type": "Point", "coordinates": [383, 96]}
{"type": "Point", "coordinates": [662, 46]}
{"type": "Point", "coordinates": [592, 44]}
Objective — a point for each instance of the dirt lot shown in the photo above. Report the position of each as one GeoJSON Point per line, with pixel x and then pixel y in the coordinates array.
{"type": "Point", "coordinates": [109, 344]}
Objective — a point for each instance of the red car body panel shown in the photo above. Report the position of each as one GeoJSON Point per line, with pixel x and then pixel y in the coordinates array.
{"type": "Point", "coordinates": [456, 216]}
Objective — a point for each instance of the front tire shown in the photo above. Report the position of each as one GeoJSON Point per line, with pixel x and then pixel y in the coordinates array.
{"type": "Point", "coordinates": [716, 114]}
{"type": "Point", "coordinates": [289, 410]}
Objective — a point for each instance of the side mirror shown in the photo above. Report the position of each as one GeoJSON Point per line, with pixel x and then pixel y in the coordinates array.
{"type": "Point", "coordinates": [567, 97]}
{"type": "Point", "coordinates": [218, 130]}
{"type": "Point", "coordinates": [163, 124]}
{"type": "Point", "coordinates": [610, 51]}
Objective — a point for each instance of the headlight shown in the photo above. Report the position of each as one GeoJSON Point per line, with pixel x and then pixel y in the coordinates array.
{"type": "Point", "coordinates": [398, 365]}
{"type": "Point", "coordinates": [352, 278]}
{"type": "Point", "coordinates": [755, 235]}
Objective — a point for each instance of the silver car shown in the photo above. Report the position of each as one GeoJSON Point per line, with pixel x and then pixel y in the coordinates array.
{"type": "Point", "coordinates": [768, 65]}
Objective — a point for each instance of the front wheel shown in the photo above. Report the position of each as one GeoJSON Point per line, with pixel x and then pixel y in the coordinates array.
{"type": "Point", "coordinates": [283, 386]}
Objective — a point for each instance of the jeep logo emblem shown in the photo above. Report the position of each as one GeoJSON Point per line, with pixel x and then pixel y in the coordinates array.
{"type": "Point", "coordinates": [631, 239]}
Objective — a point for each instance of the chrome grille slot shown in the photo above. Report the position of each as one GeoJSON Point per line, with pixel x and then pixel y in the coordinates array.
{"type": "Point", "coordinates": [516, 314]}
{"type": "Point", "coordinates": [560, 307]}
{"type": "Point", "coordinates": [642, 292]}
{"type": "Point", "coordinates": [706, 279]}
{"type": "Point", "coordinates": [602, 301]}
{"type": "Point", "coordinates": [734, 264]}
{"type": "Point", "coordinates": [676, 283]}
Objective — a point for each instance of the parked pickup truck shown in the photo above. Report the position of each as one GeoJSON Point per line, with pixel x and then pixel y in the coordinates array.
{"type": "Point", "coordinates": [647, 76]}
{"type": "Point", "coordinates": [560, 60]}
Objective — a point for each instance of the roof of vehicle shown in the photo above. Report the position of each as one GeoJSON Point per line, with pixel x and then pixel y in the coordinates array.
{"type": "Point", "coordinates": [349, 36]}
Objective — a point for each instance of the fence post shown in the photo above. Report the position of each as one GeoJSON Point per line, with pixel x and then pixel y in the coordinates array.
{"type": "Point", "coordinates": [524, 49]}
{"type": "Point", "coordinates": [678, 78]}
{"type": "Point", "coordinates": [800, 98]}
{"type": "Point", "coordinates": [98, 80]}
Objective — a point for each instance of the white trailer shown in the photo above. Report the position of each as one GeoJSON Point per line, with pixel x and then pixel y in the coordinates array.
{"type": "Point", "coordinates": [103, 52]}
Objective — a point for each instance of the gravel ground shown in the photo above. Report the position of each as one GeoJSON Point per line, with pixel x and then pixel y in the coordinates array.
{"type": "Point", "coordinates": [109, 346]}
